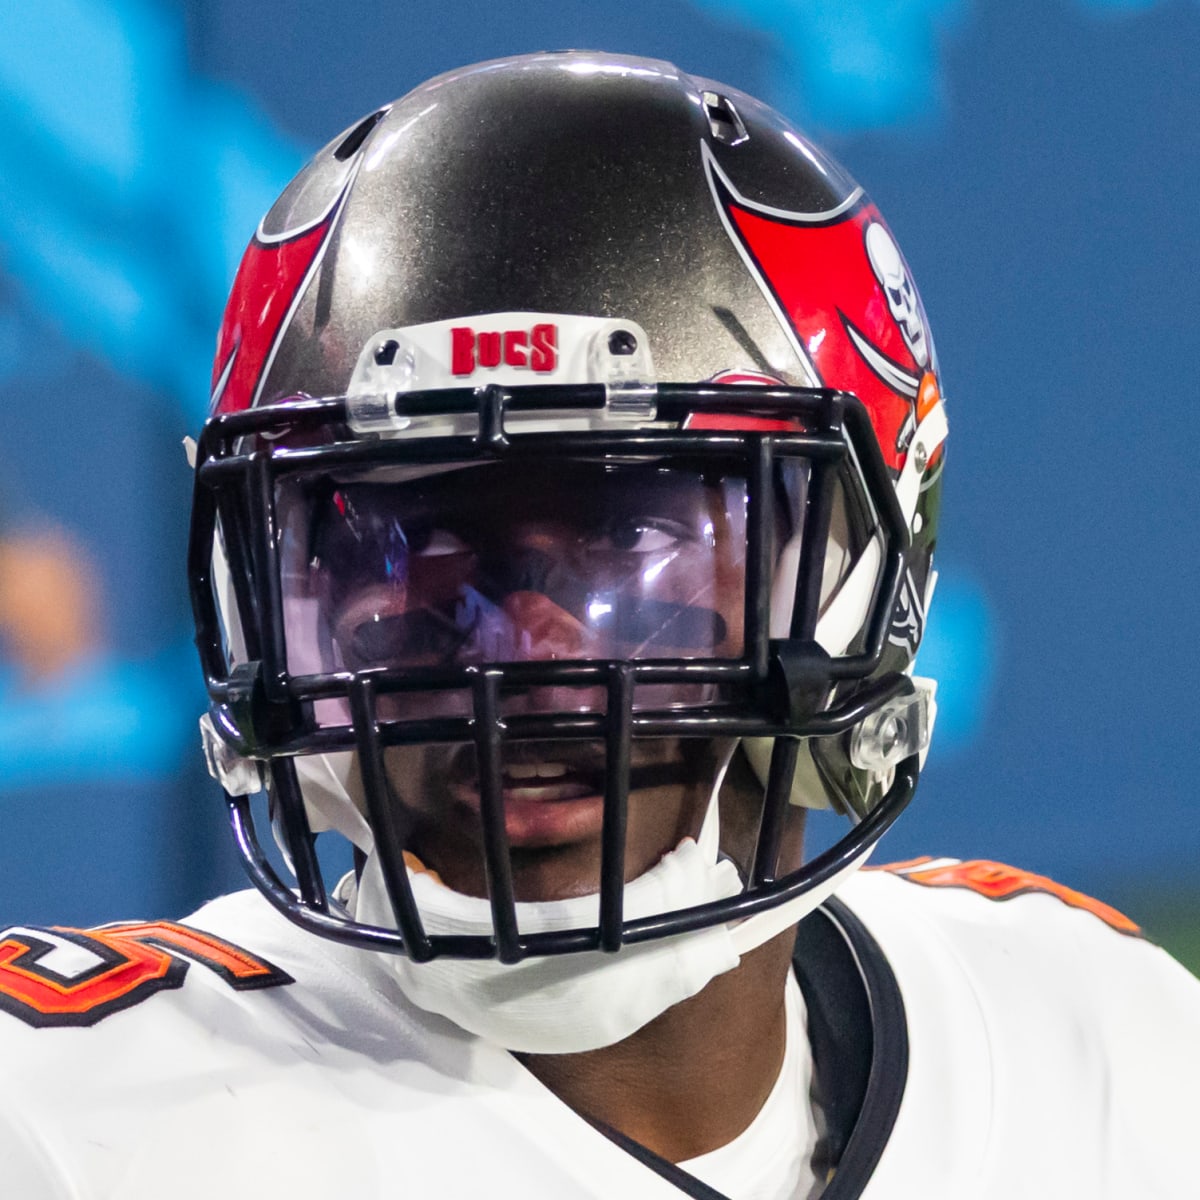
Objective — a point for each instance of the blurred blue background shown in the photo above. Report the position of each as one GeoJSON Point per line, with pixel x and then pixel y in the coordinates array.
{"type": "Point", "coordinates": [1040, 164]}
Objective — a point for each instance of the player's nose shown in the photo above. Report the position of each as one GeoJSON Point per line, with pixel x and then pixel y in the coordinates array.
{"type": "Point", "coordinates": [544, 631]}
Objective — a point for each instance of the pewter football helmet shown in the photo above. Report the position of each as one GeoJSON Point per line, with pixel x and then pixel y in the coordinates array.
{"type": "Point", "coordinates": [595, 296]}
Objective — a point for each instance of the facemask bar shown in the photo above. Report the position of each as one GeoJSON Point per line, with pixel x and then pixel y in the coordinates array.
{"type": "Point", "coordinates": [258, 707]}
{"type": "Point", "coordinates": [410, 939]}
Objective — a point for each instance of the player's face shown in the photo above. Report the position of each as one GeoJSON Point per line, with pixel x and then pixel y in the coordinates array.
{"type": "Point", "coordinates": [488, 563]}
{"type": "Point", "coordinates": [553, 804]}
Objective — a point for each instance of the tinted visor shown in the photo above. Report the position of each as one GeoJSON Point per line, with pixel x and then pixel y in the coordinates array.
{"type": "Point", "coordinates": [517, 561]}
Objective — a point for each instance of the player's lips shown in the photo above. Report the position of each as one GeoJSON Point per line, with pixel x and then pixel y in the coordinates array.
{"type": "Point", "coordinates": [545, 803]}
{"type": "Point", "coordinates": [547, 781]}
{"type": "Point", "coordinates": [555, 801]}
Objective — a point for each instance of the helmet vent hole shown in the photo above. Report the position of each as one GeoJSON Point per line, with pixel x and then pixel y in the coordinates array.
{"type": "Point", "coordinates": [353, 141]}
{"type": "Point", "coordinates": [723, 121]}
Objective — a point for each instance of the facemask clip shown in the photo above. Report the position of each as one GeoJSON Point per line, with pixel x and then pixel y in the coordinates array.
{"type": "Point", "coordinates": [896, 730]}
{"type": "Point", "coordinates": [619, 358]}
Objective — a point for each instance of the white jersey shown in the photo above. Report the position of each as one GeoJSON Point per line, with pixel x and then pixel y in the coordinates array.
{"type": "Point", "coordinates": [974, 1035]}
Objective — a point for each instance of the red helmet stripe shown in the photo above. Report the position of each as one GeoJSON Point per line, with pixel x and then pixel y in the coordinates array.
{"type": "Point", "coordinates": [268, 283]}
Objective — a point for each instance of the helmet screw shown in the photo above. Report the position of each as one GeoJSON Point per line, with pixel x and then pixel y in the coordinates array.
{"type": "Point", "coordinates": [622, 342]}
{"type": "Point", "coordinates": [385, 354]}
{"type": "Point", "coordinates": [920, 456]}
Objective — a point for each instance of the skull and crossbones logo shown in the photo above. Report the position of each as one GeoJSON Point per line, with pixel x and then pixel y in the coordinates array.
{"type": "Point", "coordinates": [898, 287]}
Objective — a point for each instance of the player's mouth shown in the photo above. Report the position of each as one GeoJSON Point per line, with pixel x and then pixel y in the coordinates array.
{"type": "Point", "coordinates": [553, 794]}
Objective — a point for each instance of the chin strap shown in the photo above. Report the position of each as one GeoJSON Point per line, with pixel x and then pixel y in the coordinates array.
{"type": "Point", "coordinates": [762, 927]}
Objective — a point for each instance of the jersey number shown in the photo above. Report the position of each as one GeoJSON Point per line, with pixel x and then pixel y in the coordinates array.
{"type": "Point", "coordinates": [79, 976]}
{"type": "Point", "coordinates": [999, 882]}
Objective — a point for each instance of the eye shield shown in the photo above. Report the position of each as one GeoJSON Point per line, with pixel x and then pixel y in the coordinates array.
{"type": "Point", "coordinates": [579, 559]}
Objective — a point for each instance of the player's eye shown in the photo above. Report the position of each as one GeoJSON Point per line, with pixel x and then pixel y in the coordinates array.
{"type": "Point", "coordinates": [637, 535]}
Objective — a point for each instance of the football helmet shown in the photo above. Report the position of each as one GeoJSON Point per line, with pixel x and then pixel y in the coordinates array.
{"type": "Point", "coordinates": [568, 401]}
